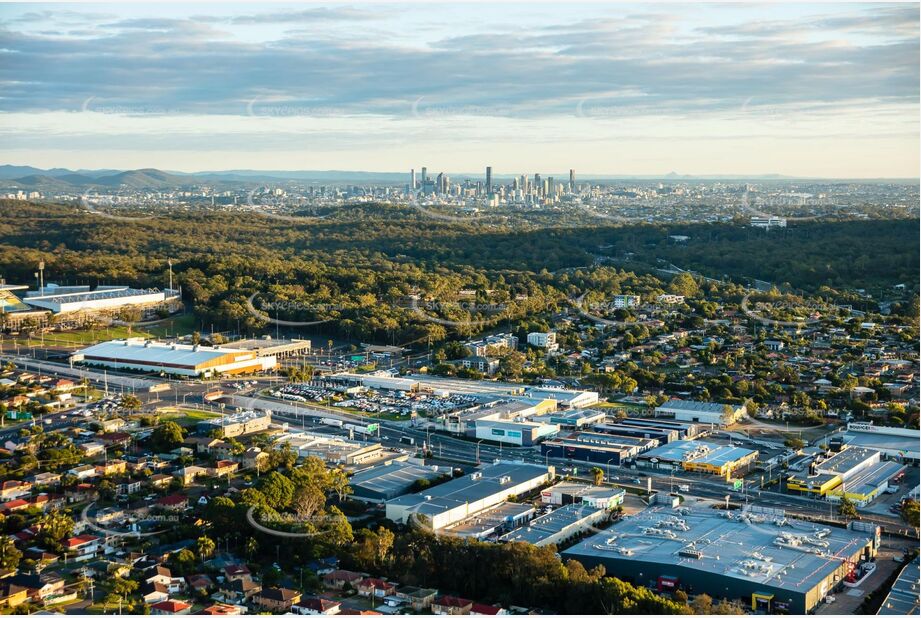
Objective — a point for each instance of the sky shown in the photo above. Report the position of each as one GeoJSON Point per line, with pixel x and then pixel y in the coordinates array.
{"type": "Point", "coordinates": [820, 90]}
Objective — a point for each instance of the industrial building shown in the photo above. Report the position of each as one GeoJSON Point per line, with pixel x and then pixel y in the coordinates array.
{"type": "Point", "coordinates": [565, 493]}
{"type": "Point", "coordinates": [374, 382]}
{"type": "Point", "coordinates": [336, 450]}
{"type": "Point", "coordinates": [104, 298]}
{"type": "Point", "coordinates": [16, 313]}
{"type": "Point", "coordinates": [394, 478]}
{"type": "Point", "coordinates": [493, 522]}
{"type": "Point", "coordinates": [904, 599]}
{"type": "Point", "coordinates": [686, 431]}
{"type": "Point", "coordinates": [279, 348]}
{"type": "Point", "coordinates": [857, 472]}
{"type": "Point", "coordinates": [442, 505]}
{"type": "Point", "coordinates": [504, 420]}
{"type": "Point", "coordinates": [557, 526]}
{"type": "Point", "coordinates": [596, 447]}
{"type": "Point", "coordinates": [896, 443]}
{"type": "Point", "coordinates": [567, 399]}
{"type": "Point", "coordinates": [239, 424]}
{"type": "Point", "coordinates": [771, 563]}
{"type": "Point", "coordinates": [698, 456]}
{"type": "Point", "coordinates": [660, 435]}
{"type": "Point", "coordinates": [576, 418]}
{"type": "Point", "coordinates": [719, 414]}
{"type": "Point", "coordinates": [177, 359]}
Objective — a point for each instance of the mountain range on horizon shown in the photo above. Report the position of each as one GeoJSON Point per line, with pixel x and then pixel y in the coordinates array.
{"type": "Point", "coordinates": [62, 179]}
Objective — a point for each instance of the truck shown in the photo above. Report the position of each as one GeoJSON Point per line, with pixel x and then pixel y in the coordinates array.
{"type": "Point", "coordinates": [407, 440]}
{"type": "Point", "coordinates": [685, 488]}
{"type": "Point", "coordinates": [334, 422]}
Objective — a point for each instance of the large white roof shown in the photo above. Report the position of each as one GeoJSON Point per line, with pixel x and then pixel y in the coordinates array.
{"type": "Point", "coordinates": [135, 350]}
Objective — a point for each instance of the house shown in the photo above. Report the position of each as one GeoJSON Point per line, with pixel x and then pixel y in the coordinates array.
{"type": "Point", "coordinates": [46, 502]}
{"type": "Point", "coordinates": [86, 471]}
{"type": "Point", "coordinates": [188, 474]}
{"type": "Point", "coordinates": [113, 466]}
{"type": "Point", "coordinates": [80, 493]}
{"type": "Point", "coordinates": [420, 599]}
{"type": "Point", "coordinates": [160, 480]}
{"type": "Point", "coordinates": [315, 606]}
{"type": "Point", "coordinates": [39, 585]}
{"type": "Point", "coordinates": [91, 449]}
{"type": "Point", "coordinates": [45, 479]}
{"type": "Point", "coordinates": [170, 608]}
{"type": "Point", "coordinates": [127, 488]}
{"type": "Point", "coordinates": [12, 595]}
{"type": "Point", "coordinates": [254, 457]}
{"type": "Point", "coordinates": [373, 586]}
{"type": "Point", "coordinates": [237, 572]}
{"type": "Point", "coordinates": [223, 609]}
{"type": "Point", "coordinates": [238, 591]}
{"type": "Point", "coordinates": [203, 444]}
{"type": "Point", "coordinates": [276, 599]}
{"type": "Point", "coordinates": [14, 505]}
{"type": "Point", "coordinates": [322, 566]}
{"type": "Point", "coordinates": [162, 575]}
{"type": "Point", "coordinates": [200, 583]}
{"type": "Point", "coordinates": [339, 579]}
{"type": "Point", "coordinates": [10, 490]}
{"type": "Point", "coordinates": [116, 438]}
{"type": "Point", "coordinates": [223, 468]}
{"type": "Point", "coordinates": [173, 502]}
{"type": "Point", "coordinates": [112, 424]}
{"type": "Point", "coordinates": [452, 606]}
{"type": "Point", "coordinates": [84, 546]}
{"type": "Point", "coordinates": [153, 593]}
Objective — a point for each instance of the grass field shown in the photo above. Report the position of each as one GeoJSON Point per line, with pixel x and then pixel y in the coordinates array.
{"type": "Point", "coordinates": [179, 325]}
{"type": "Point", "coordinates": [187, 417]}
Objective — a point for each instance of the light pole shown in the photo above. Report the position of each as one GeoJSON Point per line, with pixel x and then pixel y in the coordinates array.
{"type": "Point", "coordinates": [478, 452]}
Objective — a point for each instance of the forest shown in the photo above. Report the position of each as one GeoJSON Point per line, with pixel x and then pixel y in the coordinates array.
{"type": "Point", "coordinates": [360, 272]}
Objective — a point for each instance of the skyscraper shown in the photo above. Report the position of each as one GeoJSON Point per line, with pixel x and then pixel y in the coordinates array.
{"type": "Point", "coordinates": [572, 180]}
{"type": "Point", "coordinates": [412, 180]}
{"type": "Point", "coordinates": [424, 175]}
{"type": "Point", "coordinates": [488, 180]}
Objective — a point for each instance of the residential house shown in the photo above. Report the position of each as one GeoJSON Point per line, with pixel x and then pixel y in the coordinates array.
{"type": "Point", "coordinates": [170, 608]}
{"type": "Point", "coordinates": [339, 579]}
{"type": "Point", "coordinates": [373, 586]}
{"type": "Point", "coordinates": [112, 466]}
{"type": "Point", "coordinates": [315, 606]}
{"type": "Point", "coordinates": [12, 595]}
{"type": "Point", "coordinates": [451, 606]}
{"type": "Point", "coordinates": [173, 502]}
{"type": "Point", "coordinates": [10, 490]}
{"type": "Point", "coordinates": [223, 468]}
{"type": "Point", "coordinates": [153, 593]}
{"type": "Point", "coordinates": [39, 585]}
{"type": "Point", "coordinates": [238, 591]}
{"type": "Point", "coordinates": [45, 479]}
{"type": "Point", "coordinates": [254, 457]}
{"type": "Point", "coordinates": [481, 609]}
{"type": "Point", "coordinates": [276, 599]}
{"type": "Point", "coordinates": [223, 609]}
{"type": "Point", "coordinates": [420, 599]}
{"type": "Point", "coordinates": [84, 546]}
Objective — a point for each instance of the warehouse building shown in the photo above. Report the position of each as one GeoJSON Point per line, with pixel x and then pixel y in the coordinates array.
{"type": "Point", "coordinates": [856, 472]}
{"type": "Point", "coordinates": [578, 418]}
{"type": "Point", "coordinates": [336, 450]}
{"type": "Point", "coordinates": [698, 456]}
{"type": "Point", "coordinates": [493, 522]}
{"type": "Point", "coordinates": [557, 526]}
{"type": "Point", "coordinates": [176, 359]}
{"type": "Point", "coordinates": [566, 399]}
{"type": "Point", "coordinates": [566, 492]}
{"type": "Point", "coordinates": [660, 435]}
{"type": "Point", "coordinates": [394, 478]}
{"type": "Point", "coordinates": [596, 447]}
{"type": "Point", "coordinates": [375, 382]}
{"type": "Point", "coordinates": [686, 431]}
{"type": "Point", "coordinates": [449, 503]}
{"type": "Point", "coordinates": [771, 563]}
{"type": "Point", "coordinates": [896, 443]}
{"type": "Point", "coordinates": [719, 414]}
{"type": "Point", "coordinates": [279, 348]}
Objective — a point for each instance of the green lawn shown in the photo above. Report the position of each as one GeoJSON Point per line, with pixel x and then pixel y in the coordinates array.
{"type": "Point", "coordinates": [189, 417]}
{"type": "Point", "coordinates": [179, 325]}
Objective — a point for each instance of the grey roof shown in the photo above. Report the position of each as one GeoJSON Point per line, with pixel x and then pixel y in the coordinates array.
{"type": "Point", "coordinates": [130, 351]}
{"type": "Point", "coordinates": [698, 451]}
{"type": "Point", "coordinates": [391, 480]}
{"type": "Point", "coordinates": [841, 463]}
{"type": "Point", "coordinates": [903, 599]}
{"type": "Point", "coordinates": [484, 482]}
{"type": "Point", "coordinates": [545, 526]}
{"type": "Point", "coordinates": [745, 551]}
{"type": "Point", "coordinates": [910, 446]}
{"type": "Point", "coordinates": [693, 406]}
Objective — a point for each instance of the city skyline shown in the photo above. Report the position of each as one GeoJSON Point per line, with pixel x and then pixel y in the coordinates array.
{"type": "Point", "coordinates": [825, 91]}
